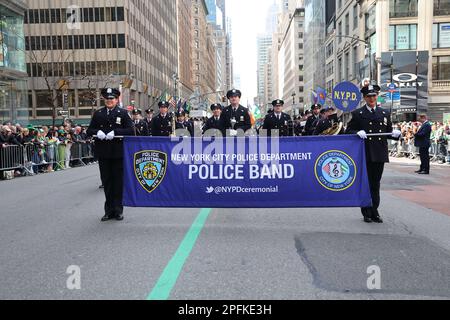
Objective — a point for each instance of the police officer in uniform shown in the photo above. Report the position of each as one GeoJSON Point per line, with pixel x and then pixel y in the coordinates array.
{"type": "Point", "coordinates": [140, 126]}
{"type": "Point", "coordinates": [278, 120]}
{"type": "Point", "coordinates": [183, 124]}
{"type": "Point", "coordinates": [325, 122]}
{"type": "Point", "coordinates": [372, 119]}
{"type": "Point", "coordinates": [215, 123]}
{"type": "Point", "coordinates": [148, 120]}
{"type": "Point", "coordinates": [312, 121]}
{"type": "Point", "coordinates": [106, 124]}
{"type": "Point", "coordinates": [162, 125]}
{"type": "Point", "coordinates": [235, 116]}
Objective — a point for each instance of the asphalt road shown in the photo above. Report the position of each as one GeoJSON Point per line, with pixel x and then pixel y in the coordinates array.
{"type": "Point", "coordinates": [50, 222]}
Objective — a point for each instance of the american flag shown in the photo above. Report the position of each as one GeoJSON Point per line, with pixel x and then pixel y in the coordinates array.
{"type": "Point", "coordinates": [172, 102]}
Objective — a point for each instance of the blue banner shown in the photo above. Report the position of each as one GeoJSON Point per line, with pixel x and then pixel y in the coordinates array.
{"type": "Point", "coordinates": [246, 172]}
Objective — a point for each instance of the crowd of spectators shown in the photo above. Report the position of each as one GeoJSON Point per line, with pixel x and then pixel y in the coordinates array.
{"type": "Point", "coordinates": [440, 140]}
{"type": "Point", "coordinates": [47, 148]}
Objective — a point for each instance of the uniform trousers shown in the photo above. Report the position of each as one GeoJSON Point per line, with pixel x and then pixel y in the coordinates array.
{"type": "Point", "coordinates": [375, 173]}
{"type": "Point", "coordinates": [111, 173]}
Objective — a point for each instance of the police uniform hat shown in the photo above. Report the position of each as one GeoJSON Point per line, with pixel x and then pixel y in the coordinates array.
{"type": "Point", "coordinates": [216, 106]}
{"type": "Point", "coordinates": [234, 93]}
{"type": "Point", "coordinates": [163, 104]}
{"type": "Point", "coordinates": [110, 93]}
{"type": "Point", "coordinates": [136, 112]}
{"type": "Point", "coordinates": [148, 111]}
{"type": "Point", "coordinates": [316, 106]}
{"type": "Point", "coordinates": [329, 108]}
{"type": "Point", "coordinates": [277, 102]}
{"type": "Point", "coordinates": [371, 90]}
{"type": "Point", "coordinates": [180, 114]}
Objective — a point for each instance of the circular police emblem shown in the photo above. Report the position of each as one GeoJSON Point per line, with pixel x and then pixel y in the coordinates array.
{"type": "Point", "coordinates": [335, 170]}
{"type": "Point", "coordinates": [150, 168]}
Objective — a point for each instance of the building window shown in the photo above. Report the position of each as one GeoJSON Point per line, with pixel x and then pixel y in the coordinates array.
{"type": "Point", "coordinates": [441, 68]}
{"type": "Point", "coordinates": [355, 17]}
{"type": "Point", "coordinates": [441, 7]}
{"type": "Point", "coordinates": [403, 8]}
{"type": "Point", "coordinates": [339, 32]}
{"type": "Point", "coordinates": [403, 37]}
{"type": "Point", "coordinates": [441, 35]}
{"type": "Point", "coordinates": [347, 24]}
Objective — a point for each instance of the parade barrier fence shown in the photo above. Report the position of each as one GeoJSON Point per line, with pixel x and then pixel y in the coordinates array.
{"type": "Point", "coordinates": [438, 151]}
{"type": "Point", "coordinates": [300, 172]}
{"type": "Point", "coordinates": [30, 158]}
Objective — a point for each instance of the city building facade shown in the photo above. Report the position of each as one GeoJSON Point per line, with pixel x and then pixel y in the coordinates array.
{"type": "Point", "coordinates": [13, 85]}
{"type": "Point", "coordinates": [77, 47]}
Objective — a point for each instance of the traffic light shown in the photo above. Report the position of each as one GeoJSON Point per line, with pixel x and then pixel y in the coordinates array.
{"type": "Point", "coordinates": [224, 99]}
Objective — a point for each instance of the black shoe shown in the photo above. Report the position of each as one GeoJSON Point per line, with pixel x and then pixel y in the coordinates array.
{"type": "Point", "coordinates": [377, 220]}
{"type": "Point", "coordinates": [424, 172]}
{"type": "Point", "coordinates": [101, 187]}
{"type": "Point", "coordinates": [119, 217]}
{"type": "Point", "coordinates": [106, 218]}
{"type": "Point", "coordinates": [367, 220]}
{"type": "Point", "coordinates": [418, 171]}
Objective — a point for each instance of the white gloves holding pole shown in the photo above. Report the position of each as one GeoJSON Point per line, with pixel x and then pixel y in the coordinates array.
{"type": "Point", "coordinates": [103, 136]}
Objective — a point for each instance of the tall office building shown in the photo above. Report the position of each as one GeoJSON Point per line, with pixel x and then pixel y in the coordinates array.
{"type": "Point", "coordinates": [77, 47]}
{"type": "Point", "coordinates": [291, 61]}
{"type": "Point", "coordinates": [264, 43]}
{"type": "Point", "coordinates": [13, 86]}
{"type": "Point", "coordinates": [185, 84]}
{"type": "Point", "coordinates": [314, 40]}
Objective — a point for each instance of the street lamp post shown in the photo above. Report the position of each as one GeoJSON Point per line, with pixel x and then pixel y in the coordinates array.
{"type": "Point", "coordinates": [293, 104]}
{"type": "Point", "coordinates": [175, 80]}
{"type": "Point", "coordinates": [369, 48]}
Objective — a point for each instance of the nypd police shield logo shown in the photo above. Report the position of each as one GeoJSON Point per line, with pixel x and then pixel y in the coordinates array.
{"type": "Point", "coordinates": [336, 171]}
{"type": "Point", "coordinates": [150, 168]}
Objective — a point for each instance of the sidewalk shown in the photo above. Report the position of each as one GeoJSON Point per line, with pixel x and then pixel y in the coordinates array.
{"type": "Point", "coordinates": [408, 161]}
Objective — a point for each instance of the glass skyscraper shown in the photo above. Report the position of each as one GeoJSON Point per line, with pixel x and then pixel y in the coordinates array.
{"type": "Point", "coordinates": [13, 85]}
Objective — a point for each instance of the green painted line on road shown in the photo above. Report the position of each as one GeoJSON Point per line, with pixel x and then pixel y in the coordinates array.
{"type": "Point", "coordinates": [170, 275]}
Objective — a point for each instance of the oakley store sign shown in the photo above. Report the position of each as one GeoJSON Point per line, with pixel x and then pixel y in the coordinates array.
{"type": "Point", "coordinates": [408, 72]}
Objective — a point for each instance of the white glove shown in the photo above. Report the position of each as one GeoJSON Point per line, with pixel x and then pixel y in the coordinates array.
{"type": "Point", "coordinates": [233, 133]}
{"type": "Point", "coordinates": [110, 136]}
{"type": "Point", "coordinates": [396, 134]}
{"type": "Point", "coordinates": [362, 134]}
{"type": "Point", "coordinates": [101, 135]}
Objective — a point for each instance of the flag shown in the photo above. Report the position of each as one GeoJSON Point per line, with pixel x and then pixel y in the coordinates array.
{"type": "Point", "coordinates": [321, 96]}
{"type": "Point", "coordinates": [180, 106]}
{"type": "Point", "coordinates": [314, 97]}
{"type": "Point", "coordinates": [172, 102]}
{"type": "Point", "coordinates": [256, 111]}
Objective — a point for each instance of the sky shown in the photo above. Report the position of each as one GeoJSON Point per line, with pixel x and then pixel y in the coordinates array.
{"type": "Point", "coordinates": [248, 18]}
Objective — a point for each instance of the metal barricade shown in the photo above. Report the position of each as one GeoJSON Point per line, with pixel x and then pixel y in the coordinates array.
{"type": "Point", "coordinates": [11, 158]}
{"type": "Point", "coordinates": [81, 152]}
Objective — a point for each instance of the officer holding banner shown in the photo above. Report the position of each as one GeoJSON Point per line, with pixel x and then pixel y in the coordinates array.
{"type": "Point", "coordinates": [106, 124]}
{"type": "Point", "coordinates": [367, 122]}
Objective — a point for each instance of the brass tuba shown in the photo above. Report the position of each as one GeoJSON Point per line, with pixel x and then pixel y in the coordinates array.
{"type": "Point", "coordinates": [334, 130]}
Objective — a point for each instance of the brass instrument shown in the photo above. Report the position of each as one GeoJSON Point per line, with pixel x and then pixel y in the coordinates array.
{"type": "Point", "coordinates": [334, 130]}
